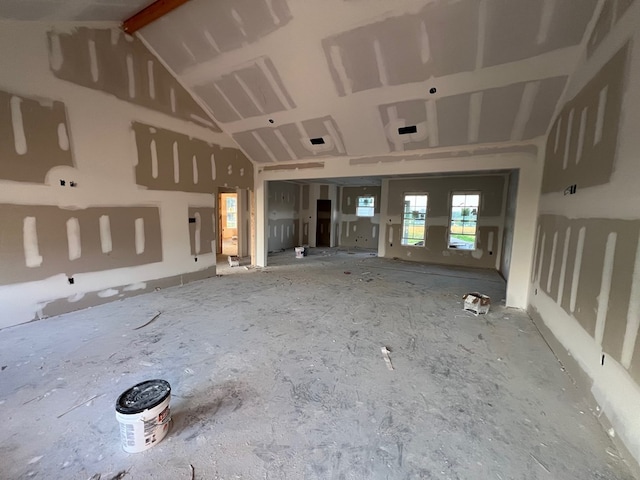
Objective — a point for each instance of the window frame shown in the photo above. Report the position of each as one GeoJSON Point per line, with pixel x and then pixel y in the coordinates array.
{"type": "Point", "coordinates": [402, 225]}
{"type": "Point", "coordinates": [451, 206]}
{"type": "Point", "coordinates": [373, 205]}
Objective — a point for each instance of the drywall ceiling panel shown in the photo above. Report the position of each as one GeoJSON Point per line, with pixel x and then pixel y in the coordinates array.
{"type": "Point", "coordinates": [602, 27]}
{"type": "Point", "coordinates": [452, 31]}
{"type": "Point", "coordinates": [521, 29]}
{"type": "Point", "coordinates": [516, 112]}
{"type": "Point", "coordinates": [249, 91]}
{"type": "Point", "coordinates": [20, 10]}
{"type": "Point", "coordinates": [269, 144]}
{"type": "Point", "coordinates": [405, 114]}
{"type": "Point", "coordinates": [206, 29]}
{"type": "Point", "coordinates": [440, 40]}
{"type": "Point", "coordinates": [544, 102]}
{"type": "Point", "coordinates": [622, 7]}
{"type": "Point", "coordinates": [453, 120]}
{"type": "Point", "coordinates": [289, 61]}
{"type": "Point", "coordinates": [70, 10]}
{"type": "Point", "coordinates": [499, 109]}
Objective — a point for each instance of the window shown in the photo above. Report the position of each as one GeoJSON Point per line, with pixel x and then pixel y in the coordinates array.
{"type": "Point", "coordinates": [366, 206]}
{"type": "Point", "coordinates": [464, 220]}
{"type": "Point", "coordinates": [231, 212]}
{"type": "Point", "coordinates": [414, 218]}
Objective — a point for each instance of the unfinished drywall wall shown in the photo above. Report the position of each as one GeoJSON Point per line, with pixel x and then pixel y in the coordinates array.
{"type": "Point", "coordinates": [202, 234]}
{"type": "Point", "coordinates": [581, 148]}
{"type": "Point", "coordinates": [305, 214]}
{"type": "Point", "coordinates": [113, 62]}
{"type": "Point", "coordinates": [169, 160]}
{"type": "Point", "coordinates": [35, 135]}
{"type": "Point", "coordinates": [284, 218]}
{"type": "Point", "coordinates": [435, 248]}
{"type": "Point", "coordinates": [41, 241]}
{"type": "Point", "coordinates": [355, 230]}
{"type": "Point", "coordinates": [77, 230]}
{"type": "Point", "coordinates": [585, 283]}
{"type": "Point", "coordinates": [509, 224]}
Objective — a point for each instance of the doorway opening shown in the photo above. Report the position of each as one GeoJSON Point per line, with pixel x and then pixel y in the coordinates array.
{"type": "Point", "coordinates": [228, 223]}
{"type": "Point", "coordinates": [323, 225]}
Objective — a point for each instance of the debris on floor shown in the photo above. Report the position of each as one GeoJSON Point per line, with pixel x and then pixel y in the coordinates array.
{"type": "Point", "coordinates": [234, 261]}
{"type": "Point", "coordinates": [387, 359]}
{"type": "Point", "coordinates": [153, 319]}
{"type": "Point", "coordinates": [78, 406]}
{"type": "Point", "coordinates": [299, 252]}
{"type": "Point", "coordinates": [476, 302]}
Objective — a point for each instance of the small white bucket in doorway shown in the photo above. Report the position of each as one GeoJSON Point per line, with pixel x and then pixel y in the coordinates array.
{"type": "Point", "coordinates": [144, 415]}
{"type": "Point", "coordinates": [299, 252]}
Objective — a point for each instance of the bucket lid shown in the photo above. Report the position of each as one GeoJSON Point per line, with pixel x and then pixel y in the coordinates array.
{"type": "Point", "coordinates": [143, 396]}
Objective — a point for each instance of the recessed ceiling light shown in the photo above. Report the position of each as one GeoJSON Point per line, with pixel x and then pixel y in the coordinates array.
{"type": "Point", "coordinates": [407, 130]}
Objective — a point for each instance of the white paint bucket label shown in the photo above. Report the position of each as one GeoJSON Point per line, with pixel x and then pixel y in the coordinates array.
{"type": "Point", "coordinates": [144, 415]}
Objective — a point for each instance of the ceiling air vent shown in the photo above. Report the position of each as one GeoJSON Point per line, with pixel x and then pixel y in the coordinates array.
{"type": "Point", "coordinates": [317, 141]}
{"type": "Point", "coordinates": [407, 130]}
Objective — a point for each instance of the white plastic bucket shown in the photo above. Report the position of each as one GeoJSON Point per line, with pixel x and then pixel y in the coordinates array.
{"type": "Point", "coordinates": [144, 415]}
{"type": "Point", "coordinates": [299, 252]}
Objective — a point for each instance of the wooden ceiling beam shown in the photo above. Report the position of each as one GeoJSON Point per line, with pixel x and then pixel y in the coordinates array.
{"type": "Point", "coordinates": [149, 14]}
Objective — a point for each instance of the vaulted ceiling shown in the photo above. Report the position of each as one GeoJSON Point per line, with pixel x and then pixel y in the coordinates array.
{"type": "Point", "coordinates": [361, 77]}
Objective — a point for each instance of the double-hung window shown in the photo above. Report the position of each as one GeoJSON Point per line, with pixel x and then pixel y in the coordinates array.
{"type": "Point", "coordinates": [463, 221]}
{"type": "Point", "coordinates": [414, 219]}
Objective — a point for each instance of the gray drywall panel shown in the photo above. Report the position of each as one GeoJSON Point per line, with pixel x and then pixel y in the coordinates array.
{"type": "Point", "coordinates": [499, 109]}
{"type": "Point", "coordinates": [202, 235]}
{"type": "Point", "coordinates": [563, 165]}
{"type": "Point", "coordinates": [283, 221]}
{"type": "Point", "coordinates": [544, 106]}
{"type": "Point", "coordinates": [362, 231]}
{"type": "Point", "coordinates": [509, 224]}
{"type": "Point", "coordinates": [35, 242]}
{"type": "Point", "coordinates": [453, 120]}
{"type": "Point", "coordinates": [238, 97]}
{"type": "Point", "coordinates": [209, 94]}
{"type": "Point", "coordinates": [513, 28]}
{"type": "Point", "coordinates": [585, 285]}
{"type": "Point", "coordinates": [439, 40]}
{"type": "Point", "coordinates": [35, 138]}
{"type": "Point", "coordinates": [305, 197]}
{"type": "Point", "coordinates": [92, 299]}
{"type": "Point", "coordinates": [211, 28]}
{"type": "Point", "coordinates": [472, 152]}
{"type": "Point", "coordinates": [110, 61]}
{"type": "Point", "coordinates": [602, 27]}
{"type": "Point", "coordinates": [157, 162]}
{"type": "Point", "coordinates": [294, 138]}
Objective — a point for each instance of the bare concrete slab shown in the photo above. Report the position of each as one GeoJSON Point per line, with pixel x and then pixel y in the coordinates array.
{"type": "Point", "coordinates": [278, 373]}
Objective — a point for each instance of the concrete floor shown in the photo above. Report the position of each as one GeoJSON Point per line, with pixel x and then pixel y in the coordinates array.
{"type": "Point", "coordinates": [278, 374]}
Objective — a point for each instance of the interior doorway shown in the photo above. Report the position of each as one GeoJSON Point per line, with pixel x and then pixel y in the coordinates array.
{"type": "Point", "coordinates": [228, 238]}
{"type": "Point", "coordinates": [323, 225]}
